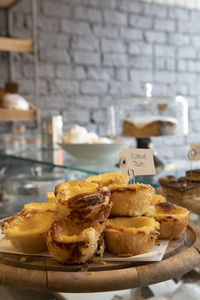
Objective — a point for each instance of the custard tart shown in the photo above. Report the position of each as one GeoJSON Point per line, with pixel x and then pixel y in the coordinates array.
{"type": "Point", "coordinates": [131, 235]}
{"type": "Point", "coordinates": [26, 231]}
{"type": "Point", "coordinates": [73, 245]}
{"type": "Point", "coordinates": [131, 200]}
{"type": "Point", "coordinates": [173, 219]}
{"type": "Point", "coordinates": [84, 209]}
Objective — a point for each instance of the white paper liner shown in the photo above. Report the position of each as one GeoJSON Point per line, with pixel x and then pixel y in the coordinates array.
{"type": "Point", "coordinates": [156, 254]}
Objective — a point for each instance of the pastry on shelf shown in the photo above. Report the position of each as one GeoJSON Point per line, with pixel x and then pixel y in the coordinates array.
{"type": "Point", "coordinates": [73, 245]}
{"type": "Point", "coordinates": [108, 179]}
{"type": "Point", "coordinates": [175, 189]}
{"type": "Point", "coordinates": [14, 101]}
{"type": "Point", "coordinates": [26, 231]}
{"type": "Point", "coordinates": [10, 98]}
{"type": "Point", "coordinates": [128, 236]}
{"type": "Point", "coordinates": [150, 126]}
{"type": "Point", "coordinates": [173, 219]}
{"type": "Point", "coordinates": [130, 200]}
{"type": "Point", "coordinates": [84, 206]}
{"type": "Point", "coordinates": [193, 175]}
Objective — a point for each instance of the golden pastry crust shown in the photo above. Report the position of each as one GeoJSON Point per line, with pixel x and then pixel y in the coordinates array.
{"type": "Point", "coordinates": [26, 231]}
{"type": "Point", "coordinates": [39, 207]}
{"type": "Point", "coordinates": [75, 187]}
{"type": "Point", "coordinates": [131, 200]}
{"type": "Point", "coordinates": [173, 219]}
{"type": "Point", "coordinates": [51, 198]}
{"type": "Point", "coordinates": [109, 178]}
{"type": "Point", "coordinates": [157, 199]}
{"type": "Point", "coordinates": [72, 245]}
{"type": "Point", "coordinates": [130, 236]}
{"type": "Point", "coordinates": [85, 209]}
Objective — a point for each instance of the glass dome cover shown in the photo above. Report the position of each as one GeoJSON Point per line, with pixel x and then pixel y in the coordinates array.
{"type": "Point", "coordinates": [146, 116]}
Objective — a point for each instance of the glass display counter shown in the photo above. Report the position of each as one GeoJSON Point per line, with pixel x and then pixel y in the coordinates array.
{"type": "Point", "coordinates": [27, 175]}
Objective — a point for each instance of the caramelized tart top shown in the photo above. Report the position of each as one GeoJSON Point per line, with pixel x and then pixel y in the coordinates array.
{"type": "Point", "coordinates": [109, 178]}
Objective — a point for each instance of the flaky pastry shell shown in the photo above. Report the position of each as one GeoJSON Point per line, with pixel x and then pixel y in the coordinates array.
{"type": "Point", "coordinates": [131, 200]}
{"type": "Point", "coordinates": [128, 236]}
{"type": "Point", "coordinates": [72, 245]}
{"type": "Point", "coordinates": [173, 219]}
{"type": "Point", "coordinates": [85, 209]}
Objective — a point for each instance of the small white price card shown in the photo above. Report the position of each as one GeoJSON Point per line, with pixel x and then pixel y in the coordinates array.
{"type": "Point", "coordinates": [194, 152]}
{"type": "Point", "coordinates": [137, 162]}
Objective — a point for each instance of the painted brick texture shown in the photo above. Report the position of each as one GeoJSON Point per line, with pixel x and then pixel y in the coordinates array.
{"type": "Point", "coordinates": [92, 51]}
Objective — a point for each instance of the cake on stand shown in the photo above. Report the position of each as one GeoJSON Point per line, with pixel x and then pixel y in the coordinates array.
{"type": "Point", "coordinates": [146, 116]}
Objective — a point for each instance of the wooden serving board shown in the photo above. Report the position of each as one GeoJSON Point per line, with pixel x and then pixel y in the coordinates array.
{"type": "Point", "coordinates": [43, 273]}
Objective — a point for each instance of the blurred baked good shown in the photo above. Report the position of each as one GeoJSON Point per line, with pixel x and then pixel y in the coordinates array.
{"type": "Point", "coordinates": [2, 93]}
{"type": "Point", "coordinates": [14, 101]}
{"type": "Point", "coordinates": [86, 208]}
{"type": "Point", "coordinates": [26, 231]}
{"type": "Point", "coordinates": [79, 135]}
{"type": "Point", "coordinates": [149, 126]}
{"type": "Point", "coordinates": [75, 135]}
{"type": "Point", "coordinates": [73, 245]}
{"type": "Point", "coordinates": [173, 219]}
{"type": "Point", "coordinates": [193, 175]}
{"type": "Point", "coordinates": [109, 179]}
{"type": "Point", "coordinates": [130, 236]}
{"type": "Point", "coordinates": [130, 200]}
{"type": "Point", "coordinates": [174, 188]}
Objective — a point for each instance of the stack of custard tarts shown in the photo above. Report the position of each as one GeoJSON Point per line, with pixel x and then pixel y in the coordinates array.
{"type": "Point", "coordinates": [82, 217]}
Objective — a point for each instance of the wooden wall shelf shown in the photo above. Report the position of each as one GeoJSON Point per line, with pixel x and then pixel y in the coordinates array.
{"type": "Point", "coordinates": [16, 44]}
{"type": "Point", "coordinates": [7, 3]}
{"type": "Point", "coordinates": [7, 115]}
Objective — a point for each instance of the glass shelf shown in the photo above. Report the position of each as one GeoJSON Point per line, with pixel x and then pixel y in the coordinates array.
{"type": "Point", "coordinates": [24, 183]}
{"type": "Point", "coordinates": [58, 158]}
{"type": "Point", "coordinates": [61, 159]}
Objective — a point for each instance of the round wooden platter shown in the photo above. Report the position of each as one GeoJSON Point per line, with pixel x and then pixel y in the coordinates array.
{"type": "Point", "coordinates": [43, 273]}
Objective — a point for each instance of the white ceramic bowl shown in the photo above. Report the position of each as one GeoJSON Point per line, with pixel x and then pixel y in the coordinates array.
{"type": "Point", "coordinates": [96, 151]}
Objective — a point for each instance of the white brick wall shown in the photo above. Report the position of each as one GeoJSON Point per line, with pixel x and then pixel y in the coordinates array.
{"type": "Point", "coordinates": [93, 51]}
